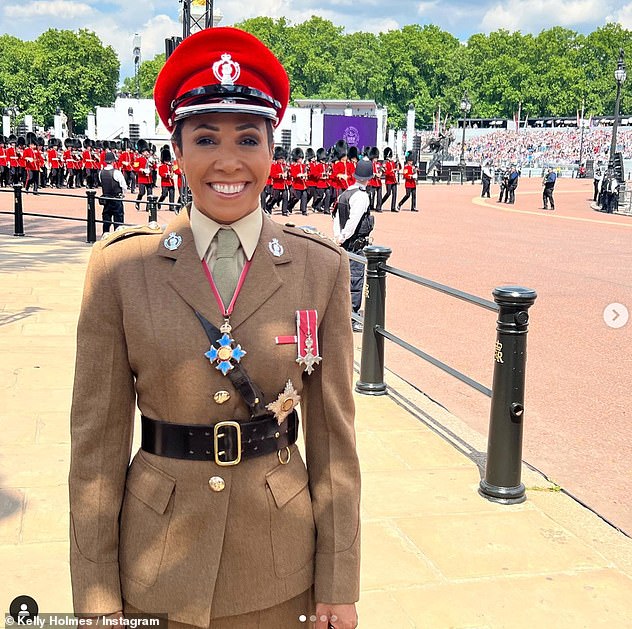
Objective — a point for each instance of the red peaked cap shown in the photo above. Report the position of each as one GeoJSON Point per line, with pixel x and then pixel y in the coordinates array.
{"type": "Point", "coordinates": [221, 69]}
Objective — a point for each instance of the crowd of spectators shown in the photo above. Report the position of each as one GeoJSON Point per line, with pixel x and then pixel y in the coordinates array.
{"type": "Point", "coordinates": [539, 148]}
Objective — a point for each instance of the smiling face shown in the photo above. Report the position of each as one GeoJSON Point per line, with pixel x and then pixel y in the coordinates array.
{"type": "Point", "coordinates": [226, 159]}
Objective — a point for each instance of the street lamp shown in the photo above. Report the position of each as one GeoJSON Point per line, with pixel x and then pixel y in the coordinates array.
{"type": "Point", "coordinates": [619, 75]}
{"type": "Point", "coordinates": [136, 55]}
{"type": "Point", "coordinates": [465, 108]}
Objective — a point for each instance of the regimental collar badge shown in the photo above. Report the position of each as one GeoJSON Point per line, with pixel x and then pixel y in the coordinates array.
{"type": "Point", "coordinates": [286, 402]}
{"type": "Point", "coordinates": [226, 70]}
{"type": "Point", "coordinates": [173, 241]}
{"type": "Point", "coordinates": [307, 334]}
{"type": "Point", "coordinates": [276, 248]}
{"type": "Point", "coordinates": [224, 354]}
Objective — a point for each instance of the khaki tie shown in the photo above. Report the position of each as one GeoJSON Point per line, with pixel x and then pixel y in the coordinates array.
{"type": "Point", "coordinates": [226, 268]}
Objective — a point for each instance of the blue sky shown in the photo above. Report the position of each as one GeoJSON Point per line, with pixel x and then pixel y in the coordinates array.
{"type": "Point", "coordinates": [116, 21]}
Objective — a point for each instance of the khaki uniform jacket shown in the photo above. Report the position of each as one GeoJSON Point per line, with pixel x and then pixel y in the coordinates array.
{"type": "Point", "coordinates": [154, 534]}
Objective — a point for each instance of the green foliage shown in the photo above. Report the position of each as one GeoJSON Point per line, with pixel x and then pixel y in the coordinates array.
{"type": "Point", "coordinates": [66, 69]}
{"type": "Point", "coordinates": [549, 73]}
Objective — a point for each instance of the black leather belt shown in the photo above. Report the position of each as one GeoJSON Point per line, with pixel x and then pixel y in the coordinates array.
{"type": "Point", "coordinates": [226, 442]}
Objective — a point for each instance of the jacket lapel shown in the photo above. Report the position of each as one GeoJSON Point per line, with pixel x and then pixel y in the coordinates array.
{"type": "Point", "coordinates": [263, 279]}
{"type": "Point", "coordinates": [187, 276]}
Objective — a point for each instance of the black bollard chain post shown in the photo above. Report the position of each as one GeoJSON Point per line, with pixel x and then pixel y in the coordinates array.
{"type": "Point", "coordinates": [18, 216]}
{"type": "Point", "coordinates": [152, 208]}
{"type": "Point", "coordinates": [372, 359]}
{"type": "Point", "coordinates": [91, 235]}
{"type": "Point", "coordinates": [504, 448]}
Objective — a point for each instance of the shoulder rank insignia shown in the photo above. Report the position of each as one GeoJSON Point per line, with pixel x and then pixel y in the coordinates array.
{"type": "Point", "coordinates": [123, 232]}
{"type": "Point", "coordinates": [285, 403]}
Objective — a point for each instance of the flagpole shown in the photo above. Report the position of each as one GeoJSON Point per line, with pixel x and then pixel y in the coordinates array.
{"type": "Point", "coordinates": [519, 116]}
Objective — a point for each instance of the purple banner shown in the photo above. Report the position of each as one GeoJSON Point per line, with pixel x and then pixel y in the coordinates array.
{"type": "Point", "coordinates": [358, 131]}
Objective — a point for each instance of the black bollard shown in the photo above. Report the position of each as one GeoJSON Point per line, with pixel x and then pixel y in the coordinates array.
{"type": "Point", "coordinates": [152, 208]}
{"type": "Point", "coordinates": [504, 448]}
{"type": "Point", "coordinates": [91, 235]}
{"type": "Point", "coordinates": [18, 215]}
{"type": "Point", "coordinates": [372, 359]}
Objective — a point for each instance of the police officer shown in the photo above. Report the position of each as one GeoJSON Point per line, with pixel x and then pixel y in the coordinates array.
{"type": "Point", "coordinates": [548, 182]}
{"type": "Point", "coordinates": [217, 329]}
{"type": "Point", "coordinates": [486, 179]}
{"type": "Point", "coordinates": [114, 188]}
{"type": "Point", "coordinates": [352, 228]}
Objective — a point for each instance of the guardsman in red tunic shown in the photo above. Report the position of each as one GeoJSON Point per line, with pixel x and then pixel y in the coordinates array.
{"type": "Point", "coordinates": [21, 161]}
{"type": "Point", "coordinates": [389, 168]}
{"type": "Point", "coordinates": [42, 170]}
{"type": "Point", "coordinates": [143, 173]}
{"type": "Point", "coordinates": [52, 157]}
{"type": "Point", "coordinates": [126, 161]}
{"type": "Point", "coordinates": [165, 173]}
{"type": "Point", "coordinates": [12, 160]}
{"type": "Point", "coordinates": [374, 187]}
{"type": "Point", "coordinates": [319, 170]}
{"type": "Point", "coordinates": [4, 168]}
{"type": "Point", "coordinates": [410, 183]}
{"type": "Point", "coordinates": [89, 164]}
{"type": "Point", "coordinates": [310, 182]}
{"type": "Point", "coordinates": [278, 174]}
{"type": "Point", "coordinates": [31, 161]}
{"type": "Point", "coordinates": [298, 173]}
{"type": "Point", "coordinates": [177, 171]}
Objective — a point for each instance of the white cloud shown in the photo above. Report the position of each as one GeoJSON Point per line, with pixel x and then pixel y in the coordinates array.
{"type": "Point", "coordinates": [427, 9]}
{"type": "Point", "coordinates": [42, 8]}
{"type": "Point", "coordinates": [534, 15]}
{"type": "Point", "coordinates": [622, 15]}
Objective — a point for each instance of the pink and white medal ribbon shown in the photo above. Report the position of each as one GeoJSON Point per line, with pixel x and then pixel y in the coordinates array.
{"type": "Point", "coordinates": [307, 336]}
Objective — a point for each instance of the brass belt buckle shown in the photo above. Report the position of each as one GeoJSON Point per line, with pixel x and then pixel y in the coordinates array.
{"type": "Point", "coordinates": [217, 435]}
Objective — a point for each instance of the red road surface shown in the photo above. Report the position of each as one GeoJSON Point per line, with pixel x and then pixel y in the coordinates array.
{"type": "Point", "coordinates": [578, 423]}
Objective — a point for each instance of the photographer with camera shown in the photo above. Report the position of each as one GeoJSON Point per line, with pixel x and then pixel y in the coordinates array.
{"type": "Point", "coordinates": [353, 224]}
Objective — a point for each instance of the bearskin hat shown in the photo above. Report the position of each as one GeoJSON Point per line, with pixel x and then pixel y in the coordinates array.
{"type": "Point", "coordinates": [340, 149]}
{"type": "Point", "coordinates": [388, 152]}
{"type": "Point", "coordinates": [106, 145]}
{"type": "Point", "coordinates": [352, 153]}
{"type": "Point", "coordinates": [126, 143]}
{"type": "Point", "coordinates": [40, 142]}
{"type": "Point", "coordinates": [165, 153]}
{"type": "Point", "coordinates": [12, 139]}
{"type": "Point", "coordinates": [142, 145]}
{"type": "Point", "coordinates": [410, 156]}
{"type": "Point", "coordinates": [365, 151]}
{"type": "Point", "coordinates": [297, 154]}
{"type": "Point", "coordinates": [309, 154]}
{"type": "Point", "coordinates": [31, 138]}
{"type": "Point", "coordinates": [21, 141]}
{"type": "Point", "coordinates": [3, 140]}
{"type": "Point", "coordinates": [321, 155]}
{"type": "Point", "coordinates": [374, 153]}
{"type": "Point", "coordinates": [280, 152]}
{"type": "Point", "coordinates": [98, 144]}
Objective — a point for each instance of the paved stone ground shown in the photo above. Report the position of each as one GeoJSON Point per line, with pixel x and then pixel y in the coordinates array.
{"type": "Point", "coordinates": [435, 554]}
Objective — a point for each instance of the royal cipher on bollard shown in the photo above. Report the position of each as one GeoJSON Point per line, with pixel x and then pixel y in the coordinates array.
{"type": "Point", "coordinates": [504, 449]}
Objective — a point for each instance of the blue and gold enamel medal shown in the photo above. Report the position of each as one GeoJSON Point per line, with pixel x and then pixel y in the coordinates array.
{"type": "Point", "coordinates": [227, 352]}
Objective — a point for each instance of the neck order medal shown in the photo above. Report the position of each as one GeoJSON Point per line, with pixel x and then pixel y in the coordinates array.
{"type": "Point", "coordinates": [225, 353]}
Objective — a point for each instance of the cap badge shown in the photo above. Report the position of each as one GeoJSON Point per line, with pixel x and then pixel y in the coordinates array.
{"type": "Point", "coordinates": [226, 70]}
{"type": "Point", "coordinates": [276, 248]}
{"type": "Point", "coordinates": [173, 241]}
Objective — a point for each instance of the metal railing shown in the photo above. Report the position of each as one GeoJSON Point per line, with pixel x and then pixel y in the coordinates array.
{"type": "Point", "coordinates": [90, 219]}
{"type": "Point", "coordinates": [504, 451]}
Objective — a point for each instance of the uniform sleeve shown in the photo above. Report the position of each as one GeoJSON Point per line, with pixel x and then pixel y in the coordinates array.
{"type": "Point", "coordinates": [332, 461]}
{"type": "Point", "coordinates": [101, 427]}
{"type": "Point", "coordinates": [118, 177]}
{"type": "Point", "coordinates": [358, 205]}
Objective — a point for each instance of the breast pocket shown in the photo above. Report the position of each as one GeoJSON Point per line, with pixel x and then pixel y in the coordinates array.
{"type": "Point", "coordinates": [292, 529]}
{"type": "Point", "coordinates": [145, 517]}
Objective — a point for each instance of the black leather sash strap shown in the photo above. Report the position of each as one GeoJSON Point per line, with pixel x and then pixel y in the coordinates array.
{"type": "Point", "coordinates": [226, 442]}
{"type": "Point", "coordinates": [239, 377]}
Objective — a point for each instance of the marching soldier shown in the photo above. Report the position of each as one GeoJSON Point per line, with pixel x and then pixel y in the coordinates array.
{"type": "Point", "coordinates": [374, 187]}
{"type": "Point", "coordinates": [319, 170]}
{"type": "Point", "coordinates": [217, 329]}
{"type": "Point", "coordinates": [310, 182]}
{"type": "Point", "coordinates": [31, 161]}
{"type": "Point", "coordinates": [165, 172]}
{"type": "Point", "coordinates": [4, 169]}
{"type": "Point", "coordinates": [143, 167]}
{"type": "Point", "coordinates": [298, 174]}
{"type": "Point", "coordinates": [12, 160]}
{"type": "Point", "coordinates": [278, 174]}
{"type": "Point", "coordinates": [410, 184]}
{"type": "Point", "coordinates": [389, 167]}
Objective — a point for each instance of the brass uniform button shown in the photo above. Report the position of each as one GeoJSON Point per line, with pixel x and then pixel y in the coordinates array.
{"type": "Point", "coordinates": [216, 483]}
{"type": "Point", "coordinates": [221, 396]}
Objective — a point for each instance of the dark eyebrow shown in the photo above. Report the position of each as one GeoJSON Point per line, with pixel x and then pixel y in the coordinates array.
{"type": "Point", "coordinates": [204, 125]}
{"type": "Point", "coordinates": [247, 125]}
